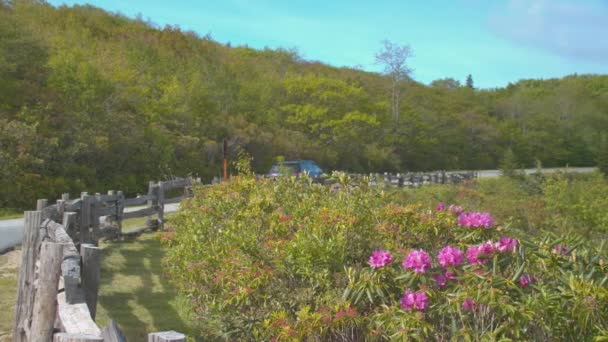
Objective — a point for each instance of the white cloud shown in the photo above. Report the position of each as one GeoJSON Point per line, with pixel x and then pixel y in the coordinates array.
{"type": "Point", "coordinates": [567, 28]}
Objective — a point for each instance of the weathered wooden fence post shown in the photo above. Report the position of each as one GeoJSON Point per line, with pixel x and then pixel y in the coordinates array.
{"type": "Point", "coordinates": [27, 273]}
{"type": "Point", "coordinates": [90, 275]}
{"type": "Point", "coordinates": [65, 196]}
{"type": "Point", "coordinates": [41, 204]}
{"type": "Point", "coordinates": [45, 302]}
{"type": "Point", "coordinates": [161, 205]}
{"type": "Point", "coordinates": [120, 208]}
{"type": "Point", "coordinates": [151, 202]}
{"type": "Point", "coordinates": [85, 218]}
{"type": "Point", "coordinates": [63, 337]}
{"type": "Point", "coordinates": [166, 336]}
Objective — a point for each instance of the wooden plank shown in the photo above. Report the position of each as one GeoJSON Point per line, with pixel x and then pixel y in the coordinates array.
{"type": "Point", "coordinates": [25, 286]}
{"type": "Point", "coordinates": [139, 200]}
{"type": "Point", "coordinates": [64, 337]}
{"type": "Point", "coordinates": [140, 213]}
{"type": "Point", "coordinates": [176, 183]}
{"type": "Point", "coordinates": [174, 200]}
{"type": "Point", "coordinates": [107, 198]}
{"type": "Point", "coordinates": [120, 204]}
{"type": "Point", "coordinates": [90, 275]}
{"type": "Point", "coordinates": [41, 204]}
{"type": "Point", "coordinates": [95, 233]}
{"type": "Point", "coordinates": [161, 205]}
{"type": "Point", "coordinates": [85, 219]}
{"type": "Point", "coordinates": [73, 205]}
{"type": "Point", "coordinates": [107, 211]}
{"type": "Point", "coordinates": [70, 267]}
{"type": "Point", "coordinates": [75, 318]}
{"type": "Point", "coordinates": [166, 336]}
{"type": "Point", "coordinates": [65, 196]}
{"type": "Point", "coordinates": [45, 304]}
{"type": "Point", "coordinates": [112, 333]}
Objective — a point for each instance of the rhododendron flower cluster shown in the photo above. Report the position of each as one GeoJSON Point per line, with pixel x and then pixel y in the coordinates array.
{"type": "Point", "coordinates": [440, 206]}
{"type": "Point", "coordinates": [417, 260]}
{"type": "Point", "coordinates": [506, 244]}
{"type": "Point", "coordinates": [455, 210]}
{"type": "Point", "coordinates": [450, 257]}
{"type": "Point", "coordinates": [380, 258]}
{"type": "Point", "coordinates": [469, 304]}
{"type": "Point", "coordinates": [475, 220]}
{"type": "Point", "coordinates": [479, 255]}
{"type": "Point", "coordinates": [414, 300]}
{"type": "Point", "coordinates": [442, 279]}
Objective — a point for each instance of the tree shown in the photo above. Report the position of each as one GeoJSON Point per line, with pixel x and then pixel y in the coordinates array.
{"type": "Point", "coordinates": [508, 165]}
{"type": "Point", "coordinates": [469, 82]}
{"type": "Point", "coordinates": [394, 58]}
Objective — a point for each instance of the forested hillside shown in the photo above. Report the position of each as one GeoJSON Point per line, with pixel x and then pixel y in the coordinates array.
{"type": "Point", "coordinates": [93, 100]}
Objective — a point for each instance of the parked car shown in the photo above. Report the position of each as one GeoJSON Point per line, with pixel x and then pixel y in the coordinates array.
{"type": "Point", "coordinates": [296, 168]}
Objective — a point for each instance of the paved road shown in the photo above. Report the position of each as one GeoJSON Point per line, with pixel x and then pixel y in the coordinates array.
{"type": "Point", "coordinates": [11, 231]}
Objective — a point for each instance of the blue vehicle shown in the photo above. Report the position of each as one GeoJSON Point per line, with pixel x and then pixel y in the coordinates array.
{"type": "Point", "coordinates": [296, 168]}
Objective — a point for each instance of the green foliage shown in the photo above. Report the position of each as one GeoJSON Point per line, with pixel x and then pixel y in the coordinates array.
{"type": "Point", "coordinates": [287, 260]}
{"type": "Point", "coordinates": [508, 164]}
{"type": "Point", "coordinates": [92, 101]}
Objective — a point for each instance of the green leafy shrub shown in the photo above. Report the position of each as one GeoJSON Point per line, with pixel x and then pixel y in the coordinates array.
{"type": "Point", "coordinates": [286, 260]}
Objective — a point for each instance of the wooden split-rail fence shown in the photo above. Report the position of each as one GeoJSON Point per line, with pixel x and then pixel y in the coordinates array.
{"type": "Point", "coordinates": [60, 271]}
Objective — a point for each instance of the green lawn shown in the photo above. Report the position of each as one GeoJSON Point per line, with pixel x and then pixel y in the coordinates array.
{"type": "Point", "coordinates": [133, 291]}
{"type": "Point", "coordinates": [7, 214]}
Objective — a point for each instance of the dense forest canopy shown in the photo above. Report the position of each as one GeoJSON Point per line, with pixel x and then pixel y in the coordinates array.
{"type": "Point", "coordinates": [93, 100]}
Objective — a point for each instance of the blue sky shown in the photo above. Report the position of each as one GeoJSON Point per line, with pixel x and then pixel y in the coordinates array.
{"type": "Point", "coordinates": [498, 41]}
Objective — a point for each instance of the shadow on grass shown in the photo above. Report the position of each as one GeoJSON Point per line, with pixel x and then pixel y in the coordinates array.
{"type": "Point", "coordinates": [133, 291]}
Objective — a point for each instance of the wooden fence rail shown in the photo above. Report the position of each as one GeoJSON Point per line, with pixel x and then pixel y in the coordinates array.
{"type": "Point", "coordinates": [60, 273]}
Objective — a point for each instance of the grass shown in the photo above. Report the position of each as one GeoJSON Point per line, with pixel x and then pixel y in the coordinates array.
{"type": "Point", "coordinates": [7, 214]}
{"type": "Point", "coordinates": [133, 291]}
{"type": "Point", "coordinates": [8, 295]}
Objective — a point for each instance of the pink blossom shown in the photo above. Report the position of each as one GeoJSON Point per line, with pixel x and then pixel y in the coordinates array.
{"type": "Point", "coordinates": [475, 220]}
{"type": "Point", "coordinates": [450, 256]}
{"type": "Point", "coordinates": [416, 300]}
{"type": "Point", "coordinates": [440, 280]}
{"type": "Point", "coordinates": [469, 304]}
{"type": "Point", "coordinates": [506, 244]}
{"type": "Point", "coordinates": [526, 279]}
{"type": "Point", "coordinates": [440, 206]}
{"type": "Point", "coordinates": [380, 258]}
{"type": "Point", "coordinates": [455, 210]}
{"type": "Point", "coordinates": [560, 250]}
{"type": "Point", "coordinates": [479, 255]}
{"type": "Point", "coordinates": [418, 260]}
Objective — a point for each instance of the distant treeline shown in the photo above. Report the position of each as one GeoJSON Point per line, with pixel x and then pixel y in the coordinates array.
{"type": "Point", "coordinates": [93, 100]}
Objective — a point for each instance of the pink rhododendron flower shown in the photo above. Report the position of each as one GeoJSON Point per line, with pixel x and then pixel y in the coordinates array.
{"type": "Point", "coordinates": [479, 255]}
{"type": "Point", "coordinates": [380, 258]}
{"type": "Point", "coordinates": [414, 300]}
{"type": "Point", "coordinates": [506, 244]}
{"type": "Point", "coordinates": [417, 260]}
{"type": "Point", "coordinates": [475, 220]}
{"type": "Point", "coordinates": [560, 250]}
{"type": "Point", "coordinates": [526, 279]}
{"type": "Point", "coordinates": [440, 206]}
{"type": "Point", "coordinates": [456, 210]}
{"type": "Point", "coordinates": [440, 280]}
{"type": "Point", "coordinates": [450, 256]}
{"type": "Point", "coordinates": [469, 304]}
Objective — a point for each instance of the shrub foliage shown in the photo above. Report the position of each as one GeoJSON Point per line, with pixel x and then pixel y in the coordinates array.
{"type": "Point", "coordinates": [286, 260]}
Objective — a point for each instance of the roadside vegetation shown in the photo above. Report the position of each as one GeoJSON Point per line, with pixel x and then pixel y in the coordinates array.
{"type": "Point", "coordinates": [510, 258]}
